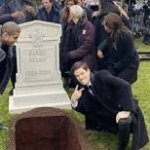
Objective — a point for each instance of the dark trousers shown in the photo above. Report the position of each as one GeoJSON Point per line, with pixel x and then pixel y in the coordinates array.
{"type": "Point", "coordinates": [124, 129]}
{"type": "Point", "coordinates": [14, 67]}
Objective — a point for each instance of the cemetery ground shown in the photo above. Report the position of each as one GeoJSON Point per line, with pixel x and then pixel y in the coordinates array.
{"type": "Point", "coordinates": [98, 140]}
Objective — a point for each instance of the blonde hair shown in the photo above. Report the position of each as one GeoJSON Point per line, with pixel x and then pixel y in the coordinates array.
{"type": "Point", "coordinates": [77, 11]}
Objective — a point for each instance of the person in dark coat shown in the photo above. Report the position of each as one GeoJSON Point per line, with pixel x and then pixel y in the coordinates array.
{"type": "Point", "coordinates": [108, 105]}
{"type": "Point", "coordinates": [10, 32]}
{"type": "Point", "coordinates": [79, 42]}
{"type": "Point", "coordinates": [87, 11]}
{"type": "Point", "coordinates": [20, 11]}
{"type": "Point", "coordinates": [66, 30]}
{"type": "Point", "coordinates": [119, 52]}
{"type": "Point", "coordinates": [49, 11]}
{"type": "Point", "coordinates": [106, 7]}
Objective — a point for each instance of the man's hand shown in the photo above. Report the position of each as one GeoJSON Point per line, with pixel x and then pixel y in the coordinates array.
{"type": "Point", "coordinates": [17, 14]}
{"type": "Point", "coordinates": [30, 9]}
{"type": "Point", "coordinates": [95, 13]}
{"type": "Point", "coordinates": [100, 54]}
{"type": "Point", "coordinates": [122, 115]}
{"type": "Point", "coordinates": [77, 93]}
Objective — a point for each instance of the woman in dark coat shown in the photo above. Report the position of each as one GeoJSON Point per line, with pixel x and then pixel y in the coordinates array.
{"type": "Point", "coordinates": [79, 40]}
{"type": "Point", "coordinates": [106, 7]}
{"type": "Point", "coordinates": [120, 53]}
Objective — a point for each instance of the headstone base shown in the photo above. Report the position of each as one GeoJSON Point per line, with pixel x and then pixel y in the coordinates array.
{"type": "Point", "coordinates": [22, 103]}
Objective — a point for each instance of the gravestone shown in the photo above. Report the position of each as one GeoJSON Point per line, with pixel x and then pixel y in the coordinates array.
{"type": "Point", "coordinates": [38, 79]}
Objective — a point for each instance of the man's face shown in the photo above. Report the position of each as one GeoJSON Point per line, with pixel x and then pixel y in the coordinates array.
{"type": "Point", "coordinates": [80, 2]}
{"type": "Point", "coordinates": [82, 76]}
{"type": "Point", "coordinates": [46, 3]}
{"type": "Point", "coordinates": [10, 39]}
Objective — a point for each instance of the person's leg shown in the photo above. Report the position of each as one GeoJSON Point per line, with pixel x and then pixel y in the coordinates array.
{"type": "Point", "coordinates": [14, 69]}
{"type": "Point", "coordinates": [124, 128]}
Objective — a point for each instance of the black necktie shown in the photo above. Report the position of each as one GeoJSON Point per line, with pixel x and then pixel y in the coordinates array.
{"type": "Point", "coordinates": [90, 89]}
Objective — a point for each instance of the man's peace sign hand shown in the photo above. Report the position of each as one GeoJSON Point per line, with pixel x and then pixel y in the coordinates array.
{"type": "Point", "coordinates": [77, 93]}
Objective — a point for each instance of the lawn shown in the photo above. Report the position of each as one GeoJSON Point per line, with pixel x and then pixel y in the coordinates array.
{"type": "Point", "coordinates": [98, 141]}
{"type": "Point", "coordinates": [141, 47]}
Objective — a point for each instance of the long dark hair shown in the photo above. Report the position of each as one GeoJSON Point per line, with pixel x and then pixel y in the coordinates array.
{"type": "Point", "coordinates": [117, 27]}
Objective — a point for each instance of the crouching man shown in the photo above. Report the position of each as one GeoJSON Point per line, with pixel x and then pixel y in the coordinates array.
{"type": "Point", "coordinates": [108, 105]}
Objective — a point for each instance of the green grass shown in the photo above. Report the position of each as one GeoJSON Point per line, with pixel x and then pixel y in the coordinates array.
{"type": "Point", "coordinates": [141, 47]}
{"type": "Point", "coordinates": [4, 117]}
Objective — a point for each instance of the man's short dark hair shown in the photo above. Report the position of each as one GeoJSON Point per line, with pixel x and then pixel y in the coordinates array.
{"type": "Point", "coordinates": [10, 27]}
{"type": "Point", "coordinates": [79, 64]}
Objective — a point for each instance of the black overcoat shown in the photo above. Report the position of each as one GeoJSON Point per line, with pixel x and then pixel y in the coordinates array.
{"type": "Point", "coordinates": [111, 95]}
{"type": "Point", "coordinates": [6, 67]}
{"type": "Point", "coordinates": [121, 57]}
{"type": "Point", "coordinates": [78, 45]}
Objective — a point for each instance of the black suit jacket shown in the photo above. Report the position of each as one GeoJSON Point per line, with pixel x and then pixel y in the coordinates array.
{"type": "Point", "coordinates": [6, 67]}
{"type": "Point", "coordinates": [112, 95]}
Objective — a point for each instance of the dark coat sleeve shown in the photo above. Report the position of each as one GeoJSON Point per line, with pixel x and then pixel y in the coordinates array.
{"type": "Point", "coordinates": [102, 45]}
{"type": "Point", "coordinates": [39, 14]}
{"type": "Point", "coordinates": [7, 72]}
{"type": "Point", "coordinates": [4, 14]}
{"type": "Point", "coordinates": [117, 91]}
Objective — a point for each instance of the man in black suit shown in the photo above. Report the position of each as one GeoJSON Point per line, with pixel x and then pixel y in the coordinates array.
{"type": "Point", "coordinates": [9, 34]}
{"type": "Point", "coordinates": [108, 105]}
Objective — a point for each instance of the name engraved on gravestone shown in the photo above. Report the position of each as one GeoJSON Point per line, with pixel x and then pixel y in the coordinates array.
{"type": "Point", "coordinates": [37, 75]}
{"type": "Point", "coordinates": [37, 56]}
{"type": "Point", "coordinates": [38, 66]}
